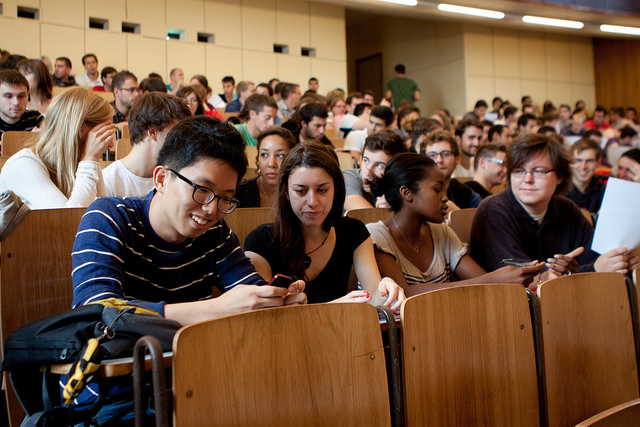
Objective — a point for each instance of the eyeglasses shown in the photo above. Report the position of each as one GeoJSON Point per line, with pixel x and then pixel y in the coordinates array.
{"type": "Point", "coordinates": [538, 173]}
{"type": "Point", "coordinates": [444, 154]}
{"type": "Point", "coordinates": [494, 160]}
{"type": "Point", "coordinates": [204, 196]}
{"type": "Point", "coordinates": [132, 89]}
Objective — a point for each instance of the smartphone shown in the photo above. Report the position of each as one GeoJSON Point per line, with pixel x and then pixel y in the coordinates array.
{"type": "Point", "coordinates": [510, 261]}
{"type": "Point", "coordinates": [281, 281]}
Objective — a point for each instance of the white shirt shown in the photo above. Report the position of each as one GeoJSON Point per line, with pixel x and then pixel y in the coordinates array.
{"type": "Point", "coordinates": [26, 175]}
{"type": "Point", "coordinates": [460, 172]}
{"type": "Point", "coordinates": [121, 182]}
{"type": "Point", "coordinates": [85, 80]}
{"type": "Point", "coordinates": [355, 140]}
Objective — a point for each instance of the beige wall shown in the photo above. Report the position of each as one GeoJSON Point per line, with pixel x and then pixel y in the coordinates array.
{"type": "Point", "coordinates": [511, 63]}
{"type": "Point", "coordinates": [433, 53]}
{"type": "Point", "coordinates": [244, 30]}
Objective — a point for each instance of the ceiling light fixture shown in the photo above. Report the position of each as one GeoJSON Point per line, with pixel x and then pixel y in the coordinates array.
{"type": "Point", "coordinates": [620, 30]}
{"type": "Point", "coordinates": [403, 2]}
{"type": "Point", "coordinates": [470, 11]}
{"type": "Point", "coordinates": [552, 22]}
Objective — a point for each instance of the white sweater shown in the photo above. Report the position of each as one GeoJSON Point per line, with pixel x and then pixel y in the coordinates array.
{"type": "Point", "coordinates": [26, 175]}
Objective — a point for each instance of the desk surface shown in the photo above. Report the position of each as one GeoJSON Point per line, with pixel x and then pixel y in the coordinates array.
{"type": "Point", "coordinates": [117, 367]}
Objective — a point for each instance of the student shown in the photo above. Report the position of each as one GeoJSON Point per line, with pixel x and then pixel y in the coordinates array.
{"type": "Point", "coordinates": [529, 221]}
{"type": "Point", "coordinates": [40, 84]}
{"type": "Point", "coordinates": [311, 240]}
{"type": "Point", "coordinates": [273, 145]}
{"type": "Point", "coordinates": [415, 248]}
{"type": "Point", "coordinates": [62, 169]}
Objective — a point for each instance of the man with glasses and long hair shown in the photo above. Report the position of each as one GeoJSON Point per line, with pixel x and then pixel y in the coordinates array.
{"type": "Point", "coordinates": [529, 221]}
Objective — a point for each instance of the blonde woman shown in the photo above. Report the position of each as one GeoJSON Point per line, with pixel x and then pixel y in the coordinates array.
{"type": "Point", "coordinates": [62, 169]}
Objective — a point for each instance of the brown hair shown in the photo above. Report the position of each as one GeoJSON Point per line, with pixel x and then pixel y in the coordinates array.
{"type": "Point", "coordinates": [155, 110]}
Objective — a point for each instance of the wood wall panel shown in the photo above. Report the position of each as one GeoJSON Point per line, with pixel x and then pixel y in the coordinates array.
{"type": "Point", "coordinates": [616, 72]}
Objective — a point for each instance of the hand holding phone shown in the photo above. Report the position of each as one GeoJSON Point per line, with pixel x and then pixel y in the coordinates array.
{"type": "Point", "coordinates": [281, 281]}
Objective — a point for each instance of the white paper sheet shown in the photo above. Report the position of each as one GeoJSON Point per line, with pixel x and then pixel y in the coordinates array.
{"type": "Point", "coordinates": [619, 219]}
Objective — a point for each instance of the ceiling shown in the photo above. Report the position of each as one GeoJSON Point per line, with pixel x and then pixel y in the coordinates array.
{"type": "Point", "coordinates": [514, 10]}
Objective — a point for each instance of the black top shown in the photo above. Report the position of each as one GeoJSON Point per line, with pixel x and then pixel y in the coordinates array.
{"type": "Point", "coordinates": [463, 196]}
{"type": "Point", "coordinates": [28, 121]}
{"type": "Point", "coordinates": [248, 194]}
{"type": "Point", "coordinates": [333, 281]}
{"type": "Point", "coordinates": [591, 199]}
{"type": "Point", "coordinates": [60, 83]}
{"type": "Point", "coordinates": [478, 188]}
{"type": "Point", "coordinates": [118, 117]}
{"type": "Point", "coordinates": [503, 229]}
{"type": "Point", "coordinates": [324, 140]}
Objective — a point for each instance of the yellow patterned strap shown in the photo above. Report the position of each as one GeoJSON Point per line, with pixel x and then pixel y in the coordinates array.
{"type": "Point", "coordinates": [82, 370]}
{"type": "Point", "coordinates": [124, 304]}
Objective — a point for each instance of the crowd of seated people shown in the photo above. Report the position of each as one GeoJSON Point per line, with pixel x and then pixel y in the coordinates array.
{"type": "Point", "coordinates": [157, 233]}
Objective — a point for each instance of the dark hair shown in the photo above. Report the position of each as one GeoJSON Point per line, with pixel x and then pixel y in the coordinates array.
{"type": "Point", "coordinates": [89, 55]}
{"type": "Point", "coordinates": [368, 92]}
{"type": "Point", "coordinates": [420, 126]}
{"type": "Point", "coordinates": [266, 86]}
{"type": "Point", "coordinates": [279, 87]}
{"type": "Point", "coordinates": [277, 131]}
{"type": "Point", "coordinates": [509, 111]}
{"type": "Point", "coordinates": [184, 91]}
{"type": "Point", "coordinates": [203, 81]}
{"type": "Point", "coordinates": [403, 170]}
{"type": "Point", "coordinates": [361, 107]}
{"type": "Point", "coordinates": [287, 225]}
{"type": "Point", "coordinates": [155, 110]}
{"type": "Point", "coordinates": [468, 122]}
{"type": "Point", "coordinates": [633, 154]}
{"type": "Point", "coordinates": [404, 112]}
{"type": "Point", "coordinates": [400, 69]}
{"type": "Point", "coordinates": [549, 117]}
{"type": "Point", "coordinates": [352, 95]}
{"type": "Point", "coordinates": [627, 131]}
{"type": "Point", "coordinates": [497, 98]}
{"type": "Point", "coordinates": [617, 110]}
{"type": "Point", "coordinates": [153, 75]}
{"type": "Point", "coordinates": [383, 113]}
{"type": "Point", "coordinates": [547, 129]}
{"type": "Point", "coordinates": [153, 84]}
{"type": "Point", "coordinates": [119, 78]}
{"type": "Point", "coordinates": [481, 103]}
{"type": "Point", "coordinates": [386, 140]}
{"type": "Point", "coordinates": [203, 137]}
{"type": "Point", "coordinates": [309, 111]}
{"type": "Point", "coordinates": [313, 79]}
{"type": "Point", "coordinates": [440, 136]}
{"type": "Point", "coordinates": [495, 129]}
{"type": "Point", "coordinates": [601, 109]}
{"type": "Point", "coordinates": [591, 132]}
{"type": "Point", "coordinates": [229, 79]}
{"type": "Point", "coordinates": [10, 62]}
{"type": "Point", "coordinates": [587, 144]}
{"type": "Point", "coordinates": [524, 98]}
{"type": "Point", "coordinates": [41, 72]}
{"type": "Point", "coordinates": [13, 78]}
{"type": "Point", "coordinates": [532, 145]}
{"type": "Point", "coordinates": [108, 70]}
{"type": "Point", "coordinates": [288, 89]}
{"type": "Point", "coordinates": [66, 60]}
{"type": "Point", "coordinates": [257, 102]}
{"type": "Point", "coordinates": [565, 106]}
{"type": "Point", "coordinates": [274, 80]}
{"type": "Point", "coordinates": [524, 119]}
{"type": "Point", "coordinates": [487, 150]}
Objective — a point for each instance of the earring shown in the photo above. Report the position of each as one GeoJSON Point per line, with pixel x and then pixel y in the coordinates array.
{"type": "Point", "coordinates": [259, 171]}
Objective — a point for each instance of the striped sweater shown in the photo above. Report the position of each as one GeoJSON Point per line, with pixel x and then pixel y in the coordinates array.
{"type": "Point", "coordinates": [117, 254]}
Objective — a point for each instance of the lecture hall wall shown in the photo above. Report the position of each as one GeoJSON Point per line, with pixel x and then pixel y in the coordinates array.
{"type": "Point", "coordinates": [244, 33]}
{"type": "Point", "coordinates": [456, 64]}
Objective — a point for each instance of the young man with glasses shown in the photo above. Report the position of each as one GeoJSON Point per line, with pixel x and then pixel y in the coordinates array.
{"type": "Point", "coordinates": [441, 147]}
{"type": "Point", "coordinates": [529, 221]}
{"type": "Point", "coordinates": [125, 91]}
{"type": "Point", "coordinates": [168, 250]}
{"type": "Point", "coordinates": [491, 169]}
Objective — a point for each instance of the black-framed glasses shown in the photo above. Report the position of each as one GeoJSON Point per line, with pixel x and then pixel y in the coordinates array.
{"type": "Point", "coordinates": [538, 173]}
{"type": "Point", "coordinates": [204, 196]}
{"type": "Point", "coordinates": [433, 155]}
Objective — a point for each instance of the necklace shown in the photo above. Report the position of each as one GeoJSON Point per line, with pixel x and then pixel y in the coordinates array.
{"type": "Point", "coordinates": [268, 199]}
{"type": "Point", "coordinates": [415, 248]}
{"type": "Point", "coordinates": [307, 258]}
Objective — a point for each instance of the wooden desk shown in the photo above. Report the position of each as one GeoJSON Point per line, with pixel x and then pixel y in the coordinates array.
{"type": "Point", "coordinates": [116, 367]}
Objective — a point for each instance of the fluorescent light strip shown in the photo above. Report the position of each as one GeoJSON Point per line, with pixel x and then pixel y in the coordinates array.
{"type": "Point", "coordinates": [620, 30]}
{"type": "Point", "coordinates": [403, 2]}
{"type": "Point", "coordinates": [470, 11]}
{"type": "Point", "coordinates": [552, 22]}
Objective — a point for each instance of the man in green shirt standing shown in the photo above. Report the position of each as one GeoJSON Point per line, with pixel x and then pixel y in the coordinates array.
{"type": "Point", "coordinates": [402, 88]}
{"type": "Point", "coordinates": [262, 115]}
